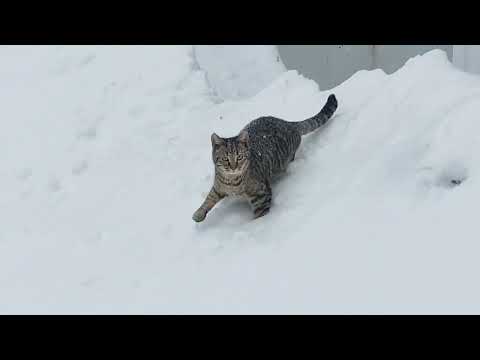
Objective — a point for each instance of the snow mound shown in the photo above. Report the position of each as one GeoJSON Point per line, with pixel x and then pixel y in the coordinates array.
{"type": "Point", "coordinates": [238, 71]}
{"type": "Point", "coordinates": [107, 155]}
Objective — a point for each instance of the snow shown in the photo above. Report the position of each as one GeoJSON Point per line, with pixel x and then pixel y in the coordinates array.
{"type": "Point", "coordinates": [107, 155]}
{"type": "Point", "coordinates": [238, 72]}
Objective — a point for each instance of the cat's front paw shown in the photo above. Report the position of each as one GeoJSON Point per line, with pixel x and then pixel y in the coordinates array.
{"type": "Point", "coordinates": [199, 215]}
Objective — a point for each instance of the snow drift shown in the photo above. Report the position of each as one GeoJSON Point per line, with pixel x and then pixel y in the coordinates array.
{"type": "Point", "coordinates": [107, 155]}
{"type": "Point", "coordinates": [237, 72]}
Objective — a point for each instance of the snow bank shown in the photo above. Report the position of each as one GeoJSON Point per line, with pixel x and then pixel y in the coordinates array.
{"type": "Point", "coordinates": [107, 155]}
{"type": "Point", "coordinates": [238, 71]}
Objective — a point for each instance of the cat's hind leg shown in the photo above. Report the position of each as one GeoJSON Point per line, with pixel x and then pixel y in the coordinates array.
{"type": "Point", "coordinates": [261, 201]}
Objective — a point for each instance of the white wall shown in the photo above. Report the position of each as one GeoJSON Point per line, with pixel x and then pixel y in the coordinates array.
{"type": "Point", "coordinates": [239, 71]}
{"type": "Point", "coordinates": [467, 57]}
{"type": "Point", "coordinates": [390, 58]}
{"type": "Point", "coordinates": [330, 65]}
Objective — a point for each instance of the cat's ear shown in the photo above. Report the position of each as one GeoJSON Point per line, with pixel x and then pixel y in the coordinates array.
{"type": "Point", "coordinates": [243, 137]}
{"type": "Point", "coordinates": [216, 140]}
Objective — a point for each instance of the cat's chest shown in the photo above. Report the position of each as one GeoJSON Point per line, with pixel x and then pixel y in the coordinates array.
{"type": "Point", "coordinates": [231, 185]}
{"type": "Point", "coordinates": [234, 190]}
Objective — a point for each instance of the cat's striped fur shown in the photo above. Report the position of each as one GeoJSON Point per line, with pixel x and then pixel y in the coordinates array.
{"type": "Point", "coordinates": [245, 165]}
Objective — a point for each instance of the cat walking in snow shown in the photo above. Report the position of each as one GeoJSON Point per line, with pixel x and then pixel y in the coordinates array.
{"type": "Point", "coordinates": [246, 164]}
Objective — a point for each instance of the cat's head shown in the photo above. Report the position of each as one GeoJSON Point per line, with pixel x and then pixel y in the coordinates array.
{"type": "Point", "coordinates": [230, 155]}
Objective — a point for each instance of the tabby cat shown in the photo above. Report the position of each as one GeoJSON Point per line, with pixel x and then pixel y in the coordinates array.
{"type": "Point", "coordinates": [246, 164]}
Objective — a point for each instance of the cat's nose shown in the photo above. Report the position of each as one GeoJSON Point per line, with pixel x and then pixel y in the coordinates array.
{"type": "Point", "coordinates": [233, 164]}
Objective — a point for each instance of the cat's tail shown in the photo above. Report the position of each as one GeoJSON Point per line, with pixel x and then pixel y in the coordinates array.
{"type": "Point", "coordinates": [309, 125]}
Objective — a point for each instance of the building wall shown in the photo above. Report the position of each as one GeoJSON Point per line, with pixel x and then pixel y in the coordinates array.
{"type": "Point", "coordinates": [392, 57]}
{"type": "Point", "coordinates": [330, 65]}
{"type": "Point", "coordinates": [467, 57]}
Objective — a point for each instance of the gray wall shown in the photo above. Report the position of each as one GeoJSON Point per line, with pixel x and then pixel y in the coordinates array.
{"type": "Point", "coordinates": [330, 65]}
{"type": "Point", "coordinates": [467, 57]}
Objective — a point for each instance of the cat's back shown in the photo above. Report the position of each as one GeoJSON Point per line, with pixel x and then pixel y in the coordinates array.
{"type": "Point", "coordinates": [269, 127]}
{"type": "Point", "coordinates": [273, 142]}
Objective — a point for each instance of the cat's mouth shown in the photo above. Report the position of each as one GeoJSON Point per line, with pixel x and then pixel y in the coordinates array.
{"type": "Point", "coordinates": [236, 171]}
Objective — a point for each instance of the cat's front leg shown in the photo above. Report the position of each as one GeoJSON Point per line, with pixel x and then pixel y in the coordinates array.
{"type": "Point", "coordinates": [212, 199]}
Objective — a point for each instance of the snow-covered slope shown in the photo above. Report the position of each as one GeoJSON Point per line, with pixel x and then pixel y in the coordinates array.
{"type": "Point", "coordinates": [237, 72]}
{"type": "Point", "coordinates": [107, 155]}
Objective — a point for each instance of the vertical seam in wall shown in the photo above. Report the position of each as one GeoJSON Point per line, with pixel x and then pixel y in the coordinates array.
{"type": "Point", "coordinates": [374, 56]}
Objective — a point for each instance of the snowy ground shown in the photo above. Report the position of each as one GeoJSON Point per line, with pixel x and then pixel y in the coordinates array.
{"type": "Point", "coordinates": [107, 155]}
